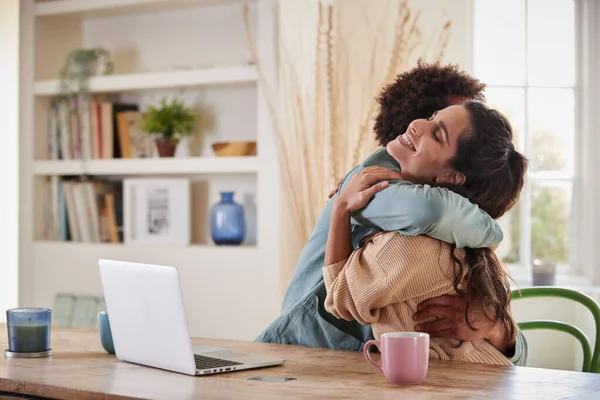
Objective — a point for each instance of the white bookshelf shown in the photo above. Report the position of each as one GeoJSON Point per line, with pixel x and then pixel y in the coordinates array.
{"type": "Point", "coordinates": [194, 47]}
{"type": "Point", "coordinates": [119, 250]}
{"type": "Point", "coordinates": [150, 166]}
{"type": "Point", "coordinates": [104, 8]}
{"type": "Point", "coordinates": [158, 80]}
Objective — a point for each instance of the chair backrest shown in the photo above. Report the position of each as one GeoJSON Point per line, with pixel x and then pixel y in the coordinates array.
{"type": "Point", "coordinates": [591, 358]}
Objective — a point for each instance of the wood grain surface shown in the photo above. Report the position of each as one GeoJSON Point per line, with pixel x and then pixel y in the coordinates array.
{"type": "Point", "coordinates": [80, 369]}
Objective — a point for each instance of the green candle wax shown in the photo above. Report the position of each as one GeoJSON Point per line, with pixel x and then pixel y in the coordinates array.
{"type": "Point", "coordinates": [28, 338]}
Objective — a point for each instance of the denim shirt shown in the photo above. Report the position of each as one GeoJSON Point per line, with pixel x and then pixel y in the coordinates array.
{"type": "Point", "coordinates": [405, 207]}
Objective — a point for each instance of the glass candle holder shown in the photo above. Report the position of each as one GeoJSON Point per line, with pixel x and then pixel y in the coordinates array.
{"type": "Point", "coordinates": [28, 330]}
{"type": "Point", "coordinates": [543, 272]}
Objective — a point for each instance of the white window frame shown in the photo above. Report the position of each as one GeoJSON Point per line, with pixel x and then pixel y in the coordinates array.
{"type": "Point", "coordinates": [523, 267]}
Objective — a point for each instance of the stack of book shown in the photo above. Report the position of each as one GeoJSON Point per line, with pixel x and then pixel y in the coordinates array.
{"type": "Point", "coordinates": [84, 210]}
{"type": "Point", "coordinates": [82, 128]}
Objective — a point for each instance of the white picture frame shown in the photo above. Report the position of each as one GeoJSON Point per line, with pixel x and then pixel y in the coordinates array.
{"type": "Point", "coordinates": [156, 211]}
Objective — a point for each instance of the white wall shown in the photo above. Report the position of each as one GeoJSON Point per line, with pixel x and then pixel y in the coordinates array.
{"type": "Point", "coordinates": [9, 153]}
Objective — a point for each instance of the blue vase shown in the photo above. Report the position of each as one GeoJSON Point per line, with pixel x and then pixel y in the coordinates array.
{"type": "Point", "coordinates": [227, 221]}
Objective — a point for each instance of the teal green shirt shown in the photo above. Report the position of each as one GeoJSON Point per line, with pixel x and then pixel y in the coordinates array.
{"type": "Point", "coordinates": [424, 210]}
{"type": "Point", "coordinates": [404, 207]}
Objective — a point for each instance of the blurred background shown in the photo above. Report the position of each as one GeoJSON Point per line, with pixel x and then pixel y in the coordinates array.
{"type": "Point", "coordinates": [206, 134]}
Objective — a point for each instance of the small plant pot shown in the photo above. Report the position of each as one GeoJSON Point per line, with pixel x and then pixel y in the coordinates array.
{"type": "Point", "coordinates": [165, 147]}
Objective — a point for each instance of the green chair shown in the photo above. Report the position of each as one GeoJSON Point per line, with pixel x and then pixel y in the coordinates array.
{"type": "Point", "coordinates": [591, 359]}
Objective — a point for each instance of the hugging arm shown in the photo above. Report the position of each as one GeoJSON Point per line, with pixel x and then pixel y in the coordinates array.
{"type": "Point", "coordinates": [351, 290]}
{"type": "Point", "coordinates": [360, 189]}
{"type": "Point", "coordinates": [437, 212]}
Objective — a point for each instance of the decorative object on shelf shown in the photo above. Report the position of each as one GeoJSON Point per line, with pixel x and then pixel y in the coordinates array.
{"type": "Point", "coordinates": [169, 123]}
{"type": "Point", "coordinates": [227, 221]}
{"type": "Point", "coordinates": [543, 273]}
{"type": "Point", "coordinates": [81, 65]}
{"type": "Point", "coordinates": [133, 141]}
{"type": "Point", "coordinates": [236, 148]}
{"type": "Point", "coordinates": [156, 211]}
{"type": "Point", "coordinates": [165, 147]}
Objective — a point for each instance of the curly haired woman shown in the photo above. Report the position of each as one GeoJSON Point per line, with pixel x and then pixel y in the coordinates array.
{"type": "Point", "coordinates": [410, 210]}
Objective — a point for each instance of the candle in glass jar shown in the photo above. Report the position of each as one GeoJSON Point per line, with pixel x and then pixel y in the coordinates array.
{"type": "Point", "coordinates": [28, 330]}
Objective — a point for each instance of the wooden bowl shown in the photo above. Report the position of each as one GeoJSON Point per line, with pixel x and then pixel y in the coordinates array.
{"type": "Point", "coordinates": [232, 149]}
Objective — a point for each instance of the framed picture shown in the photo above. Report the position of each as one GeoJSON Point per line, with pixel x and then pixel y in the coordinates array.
{"type": "Point", "coordinates": [156, 211]}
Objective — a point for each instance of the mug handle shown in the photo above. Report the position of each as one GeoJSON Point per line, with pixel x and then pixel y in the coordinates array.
{"type": "Point", "coordinates": [367, 355]}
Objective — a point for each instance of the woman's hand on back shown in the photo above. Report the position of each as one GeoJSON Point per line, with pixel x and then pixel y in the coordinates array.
{"type": "Point", "coordinates": [451, 323]}
{"type": "Point", "coordinates": [363, 186]}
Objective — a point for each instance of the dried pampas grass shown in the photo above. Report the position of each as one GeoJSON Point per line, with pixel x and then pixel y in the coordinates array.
{"type": "Point", "coordinates": [324, 116]}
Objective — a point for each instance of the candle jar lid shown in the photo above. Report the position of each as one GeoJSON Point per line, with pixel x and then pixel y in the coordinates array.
{"type": "Point", "coordinates": [28, 315]}
{"type": "Point", "coordinates": [29, 311]}
{"type": "Point", "coordinates": [14, 354]}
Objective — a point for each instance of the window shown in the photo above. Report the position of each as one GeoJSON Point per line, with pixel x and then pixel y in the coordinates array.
{"type": "Point", "coordinates": [524, 50]}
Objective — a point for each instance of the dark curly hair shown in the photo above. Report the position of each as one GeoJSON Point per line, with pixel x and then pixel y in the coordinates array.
{"type": "Point", "coordinates": [417, 93]}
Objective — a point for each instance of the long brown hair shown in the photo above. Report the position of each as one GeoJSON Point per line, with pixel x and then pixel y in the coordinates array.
{"type": "Point", "coordinates": [495, 174]}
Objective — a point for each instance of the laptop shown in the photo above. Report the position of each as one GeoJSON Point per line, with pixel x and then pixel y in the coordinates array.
{"type": "Point", "coordinates": [148, 324]}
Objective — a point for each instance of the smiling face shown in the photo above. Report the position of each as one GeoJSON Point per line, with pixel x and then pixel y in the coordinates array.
{"type": "Point", "coordinates": [424, 151]}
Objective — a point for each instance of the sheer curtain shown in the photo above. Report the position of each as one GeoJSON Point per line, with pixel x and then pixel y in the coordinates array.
{"type": "Point", "coordinates": [334, 58]}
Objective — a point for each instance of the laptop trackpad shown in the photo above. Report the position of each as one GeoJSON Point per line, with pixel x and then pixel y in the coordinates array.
{"type": "Point", "coordinates": [226, 354]}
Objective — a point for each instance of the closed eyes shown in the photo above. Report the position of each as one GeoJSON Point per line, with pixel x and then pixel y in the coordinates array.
{"type": "Point", "coordinates": [441, 127]}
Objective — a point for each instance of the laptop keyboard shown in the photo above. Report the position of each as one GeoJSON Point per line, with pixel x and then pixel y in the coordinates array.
{"type": "Point", "coordinates": [205, 362]}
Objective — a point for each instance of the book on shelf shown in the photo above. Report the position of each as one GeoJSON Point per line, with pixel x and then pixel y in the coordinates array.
{"type": "Point", "coordinates": [89, 210]}
{"type": "Point", "coordinates": [87, 128]}
{"type": "Point", "coordinates": [134, 143]}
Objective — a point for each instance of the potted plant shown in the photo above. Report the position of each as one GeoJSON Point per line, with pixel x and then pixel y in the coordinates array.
{"type": "Point", "coordinates": [169, 123]}
{"type": "Point", "coordinates": [81, 65]}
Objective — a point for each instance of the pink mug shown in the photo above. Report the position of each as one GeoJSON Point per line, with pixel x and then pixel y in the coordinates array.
{"type": "Point", "coordinates": [404, 356]}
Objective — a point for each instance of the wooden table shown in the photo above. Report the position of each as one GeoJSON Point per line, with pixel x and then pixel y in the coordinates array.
{"type": "Point", "coordinates": [80, 369]}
